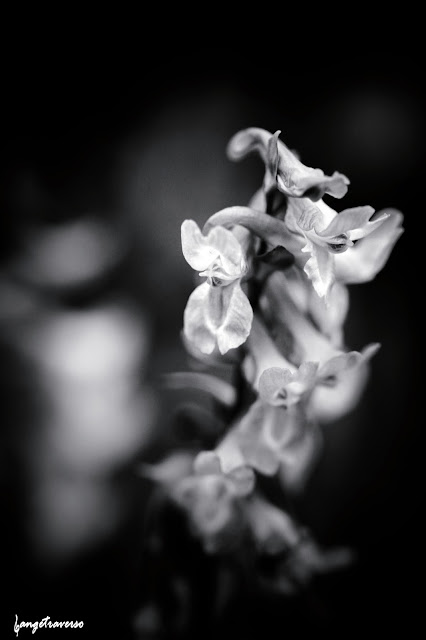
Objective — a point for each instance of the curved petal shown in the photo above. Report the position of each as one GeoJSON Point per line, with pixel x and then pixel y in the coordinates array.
{"type": "Point", "coordinates": [330, 315]}
{"type": "Point", "coordinates": [282, 387]}
{"type": "Point", "coordinates": [198, 253]}
{"type": "Point", "coordinates": [262, 354]}
{"type": "Point", "coordinates": [274, 231]}
{"type": "Point", "coordinates": [196, 327]}
{"type": "Point", "coordinates": [272, 381]}
{"type": "Point", "coordinates": [242, 479]}
{"type": "Point", "coordinates": [355, 220]}
{"type": "Point", "coordinates": [329, 404]}
{"type": "Point", "coordinates": [200, 250]}
{"type": "Point", "coordinates": [319, 268]}
{"type": "Point", "coordinates": [307, 343]}
{"type": "Point", "coordinates": [236, 320]}
{"type": "Point", "coordinates": [348, 373]}
{"type": "Point", "coordinates": [293, 177]}
{"type": "Point", "coordinates": [297, 460]}
{"type": "Point", "coordinates": [255, 451]}
{"type": "Point", "coordinates": [207, 463]}
{"type": "Point", "coordinates": [273, 529]}
{"type": "Point", "coordinates": [217, 315]}
{"type": "Point", "coordinates": [248, 141]}
{"type": "Point", "coordinates": [363, 262]}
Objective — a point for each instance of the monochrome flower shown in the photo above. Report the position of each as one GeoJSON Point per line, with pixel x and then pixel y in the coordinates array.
{"type": "Point", "coordinates": [210, 496]}
{"type": "Point", "coordinates": [341, 375]}
{"type": "Point", "coordinates": [273, 529]}
{"type": "Point", "coordinates": [283, 169]}
{"type": "Point", "coordinates": [326, 233]}
{"type": "Point", "coordinates": [218, 312]}
{"type": "Point", "coordinates": [364, 261]}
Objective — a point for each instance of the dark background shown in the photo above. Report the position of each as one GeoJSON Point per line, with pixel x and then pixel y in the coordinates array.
{"type": "Point", "coordinates": [141, 142]}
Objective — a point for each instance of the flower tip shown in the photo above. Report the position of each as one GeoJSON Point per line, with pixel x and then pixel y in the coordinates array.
{"type": "Point", "coordinates": [207, 462]}
{"type": "Point", "coordinates": [246, 141]}
{"type": "Point", "coordinates": [370, 350]}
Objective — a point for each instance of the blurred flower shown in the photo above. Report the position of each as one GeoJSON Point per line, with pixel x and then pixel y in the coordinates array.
{"type": "Point", "coordinates": [272, 528]}
{"type": "Point", "coordinates": [283, 169]}
{"type": "Point", "coordinates": [268, 433]}
{"type": "Point", "coordinates": [307, 560]}
{"type": "Point", "coordinates": [328, 315]}
{"type": "Point", "coordinates": [209, 496]}
{"type": "Point", "coordinates": [217, 312]}
{"type": "Point", "coordinates": [341, 375]}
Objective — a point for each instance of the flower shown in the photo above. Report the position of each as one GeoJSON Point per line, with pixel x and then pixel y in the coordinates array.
{"type": "Point", "coordinates": [283, 169]}
{"type": "Point", "coordinates": [276, 424]}
{"type": "Point", "coordinates": [364, 261]}
{"type": "Point", "coordinates": [218, 312]}
{"type": "Point", "coordinates": [325, 233]}
{"type": "Point", "coordinates": [272, 528]}
{"type": "Point", "coordinates": [341, 375]}
{"type": "Point", "coordinates": [307, 559]}
{"type": "Point", "coordinates": [328, 315]}
{"type": "Point", "coordinates": [210, 498]}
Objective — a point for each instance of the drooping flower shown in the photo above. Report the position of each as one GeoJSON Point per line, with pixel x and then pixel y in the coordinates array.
{"type": "Point", "coordinates": [328, 315]}
{"type": "Point", "coordinates": [218, 312]}
{"type": "Point", "coordinates": [306, 560]}
{"type": "Point", "coordinates": [273, 530]}
{"type": "Point", "coordinates": [283, 169]}
{"type": "Point", "coordinates": [326, 233]}
{"type": "Point", "coordinates": [364, 261]}
{"type": "Point", "coordinates": [275, 429]}
{"type": "Point", "coordinates": [210, 498]}
{"type": "Point", "coordinates": [341, 375]}
{"type": "Point", "coordinates": [347, 247]}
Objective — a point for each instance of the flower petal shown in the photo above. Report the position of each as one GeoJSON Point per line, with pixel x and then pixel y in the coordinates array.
{"type": "Point", "coordinates": [255, 451]}
{"type": "Point", "coordinates": [242, 479]}
{"type": "Point", "coordinates": [297, 459]}
{"type": "Point", "coordinates": [272, 381]}
{"type": "Point", "coordinates": [355, 220]}
{"type": "Point", "coordinates": [207, 463]}
{"type": "Point", "coordinates": [196, 327]}
{"type": "Point", "coordinates": [363, 262]}
{"type": "Point", "coordinates": [262, 354]}
{"type": "Point", "coordinates": [236, 320]}
{"type": "Point", "coordinates": [319, 268]}
{"type": "Point", "coordinates": [330, 314]}
{"type": "Point", "coordinates": [306, 343]}
{"type": "Point", "coordinates": [200, 251]}
{"type": "Point", "coordinates": [273, 529]}
{"type": "Point", "coordinates": [331, 402]}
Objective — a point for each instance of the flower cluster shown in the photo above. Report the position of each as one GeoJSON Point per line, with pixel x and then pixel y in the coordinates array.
{"type": "Point", "coordinates": [273, 306]}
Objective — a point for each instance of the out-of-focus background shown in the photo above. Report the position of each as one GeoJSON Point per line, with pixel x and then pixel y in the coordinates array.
{"type": "Point", "coordinates": [99, 166]}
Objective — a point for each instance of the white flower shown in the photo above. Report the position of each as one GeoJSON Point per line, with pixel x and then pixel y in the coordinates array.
{"type": "Point", "coordinates": [283, 169]}
{"type": "Point", "coordinates": [325, 233]}
{"type": "Point", "coordinates": [210, 498]}
{"type": "Point", "coordinates": [218, 312]}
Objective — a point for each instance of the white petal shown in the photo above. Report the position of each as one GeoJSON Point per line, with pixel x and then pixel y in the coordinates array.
{"type": "Point", "coordinates": [262, 355]}
{"type": "Point", "coordinates": [297, 461]}
{"type": "Point", "coordinates": [332, 403]}
{"type": "Point", "coordinates": [363, 262]}
{"type": "Point", "coordinates": [195, 325]}
{"type": "Point", "coordinates": [236, 320]}
{"type": "Point", "coordinates": [201, 251]}
{"type": "Point", "coordinates": [319, 268]}
{"type": "Point", "coordinates": [197, 252]}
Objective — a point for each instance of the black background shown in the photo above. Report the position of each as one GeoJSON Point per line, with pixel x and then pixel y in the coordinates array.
{"type": "Point", "coordinates": [356, 109]}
